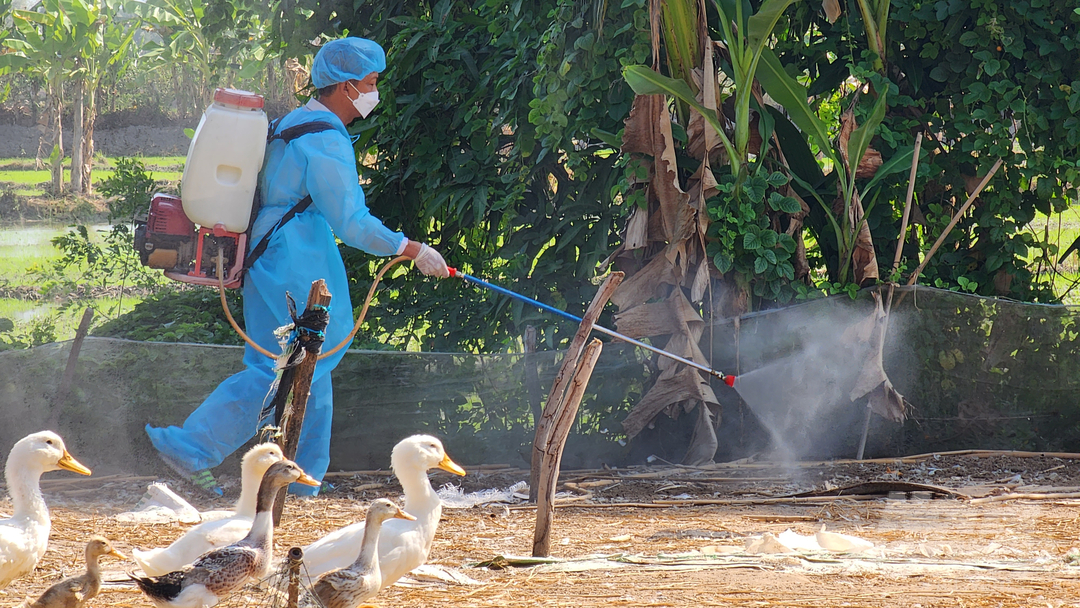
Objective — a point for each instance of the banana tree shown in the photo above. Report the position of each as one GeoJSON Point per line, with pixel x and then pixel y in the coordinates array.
{"type": "Point", "coordinates": [102, 63]}
{"type": "Point", "coordinates": [206, 43]}
{"type": "Point", "coordinates": [751, 59]}
{"type": "Point", "coordinates": [43, 43]}
{"type": "Point", "coordinates": [760, 210]}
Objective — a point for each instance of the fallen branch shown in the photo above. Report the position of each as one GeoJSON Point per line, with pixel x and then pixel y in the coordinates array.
{"type": "Point", "coordinates": [562, 503]}
{"type": "Point", "coordinates": [1004, 497]}
{"type": "Point", "coordinates": [761, 501]}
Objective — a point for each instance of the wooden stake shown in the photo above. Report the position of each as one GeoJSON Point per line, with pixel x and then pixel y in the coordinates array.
{"type": "Point", "coordinates": [566, 369]}
{"type": "Point", "coordinates": [896, 264]}
{"type": "Point", "coordinates": [293, 419]}
{"type": "Point", "coordinates": [955, 219]}
{"type": "Point", "coordinates": [907, 202]}
{"type": "Point", "coordinates": [553, 450]}
{"type": "Point", "coordinates": [63, 391]}
{"type": "Point", "coordinates": [296, 561]}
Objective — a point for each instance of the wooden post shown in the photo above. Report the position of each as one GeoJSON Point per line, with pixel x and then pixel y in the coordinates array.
{"type": "Point", "coordinates": [566, 369]}
{"type": "Point", "coordinates": [552, 454]}
{"type": "Point", "coordinates": [293, 419]}
{"type": "Point", "coordinates": [63, 391]}
{"type": "Point", "coordinates": [296, 561]}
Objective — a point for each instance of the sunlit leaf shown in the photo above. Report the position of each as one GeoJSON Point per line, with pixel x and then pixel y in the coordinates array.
{"type": "Point", "coordinates": [792, 96]}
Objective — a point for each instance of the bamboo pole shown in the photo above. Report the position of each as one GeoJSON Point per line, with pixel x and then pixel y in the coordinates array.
{"type": "Point", "coordinates": [896, 264]}
{"type": "Point", "coordinates": [293, 419]}
{"type": "Point", "coordinates": [907, 202]}
{"type": "Point", "coordinates": [566, 369]}
{"type": "Point", "coordinates": [563, 420]}
{"type": "Point", "coordinates": [956, 218]}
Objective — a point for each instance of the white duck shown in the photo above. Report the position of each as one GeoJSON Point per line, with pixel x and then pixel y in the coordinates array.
{"type": "Point", "coordinates": [348, 587]}
{"type": "Point", "coordinates": [219, 528]}
{"type": "Point", "coordinates": [221, 572]}
{"type": "Point", "coordinates": [403, 545]}
{"type": "Point", "coordinates": [25, 535]}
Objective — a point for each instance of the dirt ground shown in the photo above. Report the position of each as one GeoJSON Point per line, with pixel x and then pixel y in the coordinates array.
{"type": "Point", "coordinates": [675, 536]}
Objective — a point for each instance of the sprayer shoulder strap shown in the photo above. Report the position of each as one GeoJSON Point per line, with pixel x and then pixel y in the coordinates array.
{"type": "Point", "coordinates": [260, 248]}
{"type": "Point", "coordinates": [286, 135]}
{"type": "Point", "coordinates": [290, 133]}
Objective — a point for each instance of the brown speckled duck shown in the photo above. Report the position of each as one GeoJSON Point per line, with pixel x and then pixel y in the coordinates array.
{"type": "Point", "coordinates": [222, 571]}
{"type": "Point", "coordinates": [221, 531]}
{"type": "Point", "coordinates": [348, 587]}
{"type": "Point", "coordinates": [74, 591]}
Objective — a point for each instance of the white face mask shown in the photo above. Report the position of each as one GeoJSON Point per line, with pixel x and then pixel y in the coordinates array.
{"type": "Point", "coordinates": [365, 102]}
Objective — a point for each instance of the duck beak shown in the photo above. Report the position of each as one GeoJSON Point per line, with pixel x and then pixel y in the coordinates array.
{"type": "Point", "coordinates": [69, 463]}
{"type": "Point", "coordinates": [308, 480]}
{"type": "Point", "coordinates": [117, 554]}
{"type": "Point", "coordinates": [450, 466]}
{"type": "Point", "coordinates": [403, 515]}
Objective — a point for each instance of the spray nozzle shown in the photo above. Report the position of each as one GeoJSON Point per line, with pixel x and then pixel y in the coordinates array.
{"type": "Point", "coordinates": [730, 381]}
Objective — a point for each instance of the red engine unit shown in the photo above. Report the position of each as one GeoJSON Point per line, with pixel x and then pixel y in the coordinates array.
{"type": "Point", "coordinates": [170, 241]}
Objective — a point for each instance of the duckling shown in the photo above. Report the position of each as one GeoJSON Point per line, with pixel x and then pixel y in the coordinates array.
{"type": "Point", "coordinates": [222, 571]}
{"type": "Point", "coordinates": [25, 535]}
{"type": "Point", "coordinates": [227, 528]}
{"type": "Point", "coordinates": [347, 587]}
{"type": "Point", "coordinates": [403, 545]}
{"type": "Point", "coordinates": [74, 591]}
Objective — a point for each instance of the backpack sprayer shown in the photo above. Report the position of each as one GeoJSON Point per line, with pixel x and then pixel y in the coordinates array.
{"type": "Point", "coordinates": [220, 195]}
{"type": "Point", "coordinates": [202, 238]}
{"type": "Point", "coordinates": [184, 237]}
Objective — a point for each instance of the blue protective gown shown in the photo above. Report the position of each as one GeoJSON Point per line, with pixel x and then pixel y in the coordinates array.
{"type": "Point", "coordinates": [302, 251]}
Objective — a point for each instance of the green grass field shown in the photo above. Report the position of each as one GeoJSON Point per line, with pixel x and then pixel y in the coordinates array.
{"type": "Point", "coordinates": [21, 175]}
{"type": "Point", "coordinates": [21, 248]}
{"type": "Point", "coordinates": [28, 246]}
{"type": "Point", "coordinates": [1062, 229]}
{"type": "Point", "coordinates": [24, 246]}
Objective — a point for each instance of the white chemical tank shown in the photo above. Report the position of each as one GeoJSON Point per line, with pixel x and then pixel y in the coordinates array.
{"type": "Point", "coordinates": [223, 161]}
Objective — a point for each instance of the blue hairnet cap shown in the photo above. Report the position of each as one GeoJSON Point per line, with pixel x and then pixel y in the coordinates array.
{"type": "Point", "coordinates": [346, 59]}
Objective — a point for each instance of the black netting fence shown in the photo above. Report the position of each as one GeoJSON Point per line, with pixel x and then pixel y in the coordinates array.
{"type": "Point", "coordinates": [978, 373]}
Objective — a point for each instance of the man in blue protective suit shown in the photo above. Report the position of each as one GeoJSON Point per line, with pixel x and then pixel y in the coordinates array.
{"type": "Point", "coordinates": [302, 250]}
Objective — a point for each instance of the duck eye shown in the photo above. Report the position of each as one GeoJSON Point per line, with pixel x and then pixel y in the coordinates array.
{"type": "Point", "coordinates": [48, 441]}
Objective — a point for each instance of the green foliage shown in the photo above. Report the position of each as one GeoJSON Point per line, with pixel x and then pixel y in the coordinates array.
{"type": "Point", "coordinates": [179, 314]}
{"type": "Point", "coordinates": [742, 237]}
{"type": "Point", "coordinates": [40, 330]}
{"type": "Point", "coordinates": [129, 189]}
{"type": "Point", "coordinates": [205, 44]}
{"type": "Point", "coordinates": [109, 263]}
{"type": "Point", "coordinates": [991, 80]}
{"type": "Point", "coordinates": [106, 260]}
{"type": "Point", "coordinates": [982, 80]}
{"type": "Point", "coordinates": [470, 159]}
{"type": "Point", "coordinates": [573, 88]}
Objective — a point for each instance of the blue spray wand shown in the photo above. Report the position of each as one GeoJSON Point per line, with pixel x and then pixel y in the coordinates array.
{"type": "Point", "coordinates": [727, 379]}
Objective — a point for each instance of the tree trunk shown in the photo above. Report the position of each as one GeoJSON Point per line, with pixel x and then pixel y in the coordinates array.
{"type": "Point", "coordinates": [35, 89]}
{"type": "Point", "coordinates": [56, 107]}
{"type": "Point", "coordinates": [88, 142]}
{"type": "Point", "coordinates": [77, 137]}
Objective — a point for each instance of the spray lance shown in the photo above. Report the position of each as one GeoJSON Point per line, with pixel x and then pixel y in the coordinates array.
{"type": "Point", "coordinates": [726, 378]}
